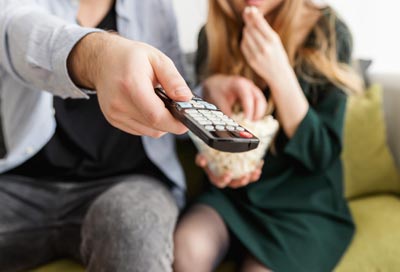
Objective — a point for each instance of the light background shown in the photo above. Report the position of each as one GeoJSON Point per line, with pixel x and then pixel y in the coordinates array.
{"type": "Point", "coordinates": [375, 26]}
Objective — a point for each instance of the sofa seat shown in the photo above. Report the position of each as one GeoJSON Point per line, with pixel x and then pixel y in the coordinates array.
{"type": "Point", "coordinates": [375, 246]}
{"type": "Point", "coordinates": [376, 243]}
{"type": "Point", "coordinates": [61, 266]}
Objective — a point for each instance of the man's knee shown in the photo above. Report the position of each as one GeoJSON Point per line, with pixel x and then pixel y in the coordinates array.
{"type": "Point", "coordinates": [133, 222]}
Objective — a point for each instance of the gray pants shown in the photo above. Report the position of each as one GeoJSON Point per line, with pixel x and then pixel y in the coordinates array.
{"type": "Point", "coordinates": [119, 224]}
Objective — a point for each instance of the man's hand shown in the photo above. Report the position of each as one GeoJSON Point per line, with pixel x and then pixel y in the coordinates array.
{"type": "Point", "coordinates": [226, 91]}
{"type": "Point", "coordinates": [124, 74]}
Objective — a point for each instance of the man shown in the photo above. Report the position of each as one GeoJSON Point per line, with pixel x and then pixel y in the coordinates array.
{"type": "Point", "coordinates": [72, 185]}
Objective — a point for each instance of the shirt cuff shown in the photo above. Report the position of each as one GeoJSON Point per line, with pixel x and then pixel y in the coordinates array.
{"type": "Point", "coordinates": [71, 36]}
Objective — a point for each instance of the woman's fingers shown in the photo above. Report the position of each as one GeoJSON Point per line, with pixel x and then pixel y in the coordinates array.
{"type": "Point", "coordinates": [245, 96]}
{"type": "Point", "coordinates": [256, 39]}
{"type": "Point", "coordinates": [218, 181]}
{"type": "Point", "coordinates": [260, 104]}
{"type": "Point", "coordinates": [252, 17]}
{"type": "Point", "coordinates": [240, 182]}
{"type": "Point", "coordinates": [201, 160]}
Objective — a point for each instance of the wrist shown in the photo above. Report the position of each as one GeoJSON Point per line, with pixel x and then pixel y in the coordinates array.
{"type": "Point", "coordinates": [285, 77]}
{"type": "Point", "coordinates": [84, 61]}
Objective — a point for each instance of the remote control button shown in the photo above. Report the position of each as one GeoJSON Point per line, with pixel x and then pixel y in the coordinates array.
{"type": "Point", "coordinates": [210, 106]}
{"type": "Point", "coordinates": [214, 118]}
{"type": "Point", "coordinates": [220, 128]}
{"type": "Point", "coordinates": [218, 113]}
{"type": "Point", "coordinates": [194, 114]}
{"type": "Point", "coordinates": [239, 129]}
{"type": "Point", "coordinates": [218, 122]}
{"type": "Point", "coordinates": [232, 123]}
{"type": "Point", "coordinates": [245, 134]}
{"type": "Point", "coordinates": [210, 128]}
{"type": "Point", "coordinates": [184, 105]}
{"type": "Point", "coordinates": [189, 111]}
{"type": "Point", "coordinates": [230, 128]}
{"type": "Point", "coordinates": [201, 120]}
{"type": "Point", "coordinates": [198, 116]}
{"type": "Point", "coordinates": [197, 105]}
{"type": "Point", "coordinates": [205, 122]}
{"type": "Point", "coordinates": [195, 98]}
{"type": "Point", "coordinates": [208, 114]}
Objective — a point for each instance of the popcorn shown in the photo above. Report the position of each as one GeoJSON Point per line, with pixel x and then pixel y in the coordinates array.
{"type": "Point", "coordinates": [240, 164]}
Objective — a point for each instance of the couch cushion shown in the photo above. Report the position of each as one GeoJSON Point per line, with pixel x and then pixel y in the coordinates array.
{"type": "Point", "coordinates": [376, 243]}
{"type": "Point", "coordinates": [61, 266]}
{"type": "Point", "coordinates": [391, 106]}
{"type": "Point", "coordinates": [368, 164]}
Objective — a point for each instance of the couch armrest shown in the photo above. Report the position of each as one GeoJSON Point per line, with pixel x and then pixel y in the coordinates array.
{"type": "Point", "coordinates": [391, 105]}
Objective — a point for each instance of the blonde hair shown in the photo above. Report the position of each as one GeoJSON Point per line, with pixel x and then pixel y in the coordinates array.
{"type": "Point", "coordinates": [315, 64]}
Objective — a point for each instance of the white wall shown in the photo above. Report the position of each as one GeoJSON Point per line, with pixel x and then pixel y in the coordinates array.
{"type": "Point", "coordinates": [375, 26]}
{"type": "Point", "coordinates": [191, 15]}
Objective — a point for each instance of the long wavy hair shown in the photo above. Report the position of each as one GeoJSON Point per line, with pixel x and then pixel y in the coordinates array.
{"type": "Point", "coordinates": [315, 64]}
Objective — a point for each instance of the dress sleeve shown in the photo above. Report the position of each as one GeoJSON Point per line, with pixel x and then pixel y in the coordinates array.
{"type": "Point", "coordinates": [317, 142]}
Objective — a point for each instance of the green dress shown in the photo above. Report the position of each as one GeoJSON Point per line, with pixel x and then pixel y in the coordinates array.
{"type": "Point", "coordinates": [295, 218]}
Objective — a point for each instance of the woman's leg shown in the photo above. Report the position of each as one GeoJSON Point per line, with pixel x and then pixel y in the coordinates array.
{"type": "Point", "coordinates": [251, 264]}
{"type": "Point", "coordinates": [201, 240]}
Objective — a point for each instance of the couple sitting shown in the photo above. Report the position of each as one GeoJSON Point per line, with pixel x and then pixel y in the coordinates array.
{"type": "Point", "coordinates": [73, 185]}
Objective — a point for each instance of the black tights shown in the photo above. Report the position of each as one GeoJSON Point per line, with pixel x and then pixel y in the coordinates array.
{"type": "Point", "coordinates": [202, 241]}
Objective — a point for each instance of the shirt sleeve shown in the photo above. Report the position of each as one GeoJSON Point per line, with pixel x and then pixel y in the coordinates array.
{"type": "Point", "coordinates": [34, 47]}
{"type": "Point", "coordinates": [172, 46]}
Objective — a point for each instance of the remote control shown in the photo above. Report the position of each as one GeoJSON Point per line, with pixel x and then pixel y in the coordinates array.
{"type": "Point", "coordinates": [208, 123]}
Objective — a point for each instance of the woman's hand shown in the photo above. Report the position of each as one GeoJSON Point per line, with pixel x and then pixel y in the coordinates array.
{"type": "Point", "coordinates": [262, 47]}
{"type": "Point", "coordinates": [226, 91]}
{"type": "Point", "coordinates": [226, 179]}
{"type": "Point", "coordinates": [264, 52]}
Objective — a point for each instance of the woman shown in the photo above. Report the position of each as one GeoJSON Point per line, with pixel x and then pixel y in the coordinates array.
{"type": "Point", "coordinates": [291, 216]}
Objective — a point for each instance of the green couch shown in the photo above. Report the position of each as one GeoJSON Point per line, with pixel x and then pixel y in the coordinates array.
{"type": "Point", "coordinates": [377, 215]}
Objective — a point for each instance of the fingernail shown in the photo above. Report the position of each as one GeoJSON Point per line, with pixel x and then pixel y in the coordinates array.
{"type": "Point", "coordinates": [183, 92]}
{"type": "Point", "coordinates": [247, 9]}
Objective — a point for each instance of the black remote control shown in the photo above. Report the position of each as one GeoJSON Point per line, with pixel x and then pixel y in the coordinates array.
{"type": "Point", "coordinates": [208, 123]}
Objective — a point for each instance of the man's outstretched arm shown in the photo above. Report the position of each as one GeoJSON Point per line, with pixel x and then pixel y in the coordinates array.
{"type": "Point", "coordinates": [44, 52]}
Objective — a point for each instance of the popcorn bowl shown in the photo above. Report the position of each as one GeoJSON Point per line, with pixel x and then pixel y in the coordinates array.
{"type": "Point", "coordinates": [240, 164]}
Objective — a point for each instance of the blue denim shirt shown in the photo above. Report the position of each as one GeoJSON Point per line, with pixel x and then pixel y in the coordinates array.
{"type": "Point", "coordinates": [36, 37]}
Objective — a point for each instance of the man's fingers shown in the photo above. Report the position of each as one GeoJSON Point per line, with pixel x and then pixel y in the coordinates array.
{"type": "Point", "coordinates": [170, 79]}
{"type": "Point", "coordinates": [150, 106]}
{"type": "Point", "coordinates": [135, 128]}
